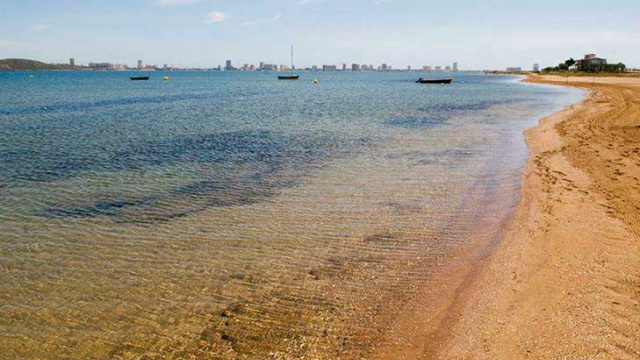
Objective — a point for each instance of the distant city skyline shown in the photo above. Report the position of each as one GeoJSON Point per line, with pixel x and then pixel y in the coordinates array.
{"type": "Point", "coordinates": [204, 33]}
{"type": "Point", "coordinates": [229, 66]}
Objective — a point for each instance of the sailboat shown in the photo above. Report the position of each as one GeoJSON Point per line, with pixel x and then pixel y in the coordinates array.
{"type": "Point", "coordinates": [292, 76]}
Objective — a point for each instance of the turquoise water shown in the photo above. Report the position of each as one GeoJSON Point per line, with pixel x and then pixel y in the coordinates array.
{"type": "Point", "coordinates": [136, 216]}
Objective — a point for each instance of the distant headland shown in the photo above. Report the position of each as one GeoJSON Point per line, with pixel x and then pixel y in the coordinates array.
{"type": "Point", "coordinates": [26, 64]}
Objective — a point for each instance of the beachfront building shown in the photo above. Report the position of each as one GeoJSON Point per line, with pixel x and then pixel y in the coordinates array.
{"type": "Point", "coordinates": [447, 68]}
{"type": "Point", "coordinates": [536, 67]}
{"type": "Point", "coordinates": [455, 67]}
{"type": "Point", "coordinates": [589, 60]}
{"type": "Point", "coordinates": [107, 66]}
{"type": "Point", "coordinates": [72, 62]}
{"type": "Point", "coordinates": [140, 64]}
{"type": "Point", "coordinates": [268, 67]}
{"type": "Point", "coordinates": [228, 66]}
{"type": "Point", "coordinates": [329, 68]}
{"type": "Point", "coordinates": [355, 67]}
{"type": "Point", "coordinates": [426, 68]}
{"type": "Point", "coordinates": [514, 69]}
{"type": "Point", "coordinates": [438, 68]}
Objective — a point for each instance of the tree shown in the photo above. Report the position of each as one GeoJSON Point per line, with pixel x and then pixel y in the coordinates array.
{"type": "Point", "coordinates": [570, 62]}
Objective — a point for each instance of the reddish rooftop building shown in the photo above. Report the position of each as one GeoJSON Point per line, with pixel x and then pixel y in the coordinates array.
{"type": "Point", "coordinates": [589, 59]}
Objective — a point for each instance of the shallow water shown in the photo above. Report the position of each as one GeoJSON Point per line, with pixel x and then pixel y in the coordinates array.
{"type": "Point", "coordinates": [224, 215]}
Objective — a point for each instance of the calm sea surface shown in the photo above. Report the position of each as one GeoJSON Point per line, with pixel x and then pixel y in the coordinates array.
{"type": "Point", "coordinates": [232, 215]}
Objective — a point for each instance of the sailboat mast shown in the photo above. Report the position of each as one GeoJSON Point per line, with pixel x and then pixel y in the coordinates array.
{"type": "Point", "coordinates": [292, 59]}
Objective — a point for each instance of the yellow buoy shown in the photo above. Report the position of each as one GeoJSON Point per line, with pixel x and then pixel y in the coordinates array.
{"type": "Point", "coordinates": [166, 78]}
{"type": "Point", "coordinates": [30, 76]}
{"type": "Point", "coordinates": [315, 81]}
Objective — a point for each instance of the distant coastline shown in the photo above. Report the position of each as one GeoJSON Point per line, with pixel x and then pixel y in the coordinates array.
{"type": "Point", "coordinates": [26, 64]}
{"type": "Point", "coordinates": [34, 65]}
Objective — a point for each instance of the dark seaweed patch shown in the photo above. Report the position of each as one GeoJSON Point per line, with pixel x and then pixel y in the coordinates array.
{"type": "Point", "coordinates": [111, 207]}
{"type": "Point", "coordinates": [417, 122]}
{"type": "Point", "coordinates": [480, 105]}
{"type": "Point", "coordinates": [276, 162]}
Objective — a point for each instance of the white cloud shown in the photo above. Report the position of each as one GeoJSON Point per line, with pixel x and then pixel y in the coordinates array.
{"type": "Point", "coordinates": [262, 21]}
{"type": "Point", "coordinates": [216, 17]}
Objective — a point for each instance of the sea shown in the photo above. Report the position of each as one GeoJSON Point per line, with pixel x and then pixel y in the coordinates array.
{"type": "Point", "coordinates": [229, 215]}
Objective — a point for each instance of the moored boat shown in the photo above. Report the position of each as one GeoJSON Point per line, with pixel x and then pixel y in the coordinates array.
{"type": "Point", "coordinates": [434, 81]}
{"type": "Point", "coordinates": [139, 78]}
{"type": "Point", "coordinates": [289, 77]}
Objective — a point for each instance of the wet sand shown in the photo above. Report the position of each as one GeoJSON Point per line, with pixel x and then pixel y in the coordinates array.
{"type": "Point", "coordinates": [564, 281]}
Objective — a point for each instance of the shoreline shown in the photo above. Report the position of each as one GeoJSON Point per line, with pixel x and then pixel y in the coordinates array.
{"type": "Point", "coordinates": [564, 280]}
{"type": "Point", "coordinates": [419, 331]}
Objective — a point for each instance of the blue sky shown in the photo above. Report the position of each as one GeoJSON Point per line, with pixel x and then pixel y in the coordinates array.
{"type": "Point", "coordinates": [478, 34]}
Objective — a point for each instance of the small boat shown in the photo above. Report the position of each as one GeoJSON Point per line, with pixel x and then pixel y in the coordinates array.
{"type": "Point", "coordinates": [288, 77]}
{"type": "Point", "coordinates": [434, 81]}
{"type": "Point", "coordinates": [292, 76]}
{"type": "Point", "coordinates": [139, 78]}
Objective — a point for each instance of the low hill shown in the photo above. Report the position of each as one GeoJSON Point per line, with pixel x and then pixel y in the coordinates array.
{"type": "Point", "coordinates": [25, 64]}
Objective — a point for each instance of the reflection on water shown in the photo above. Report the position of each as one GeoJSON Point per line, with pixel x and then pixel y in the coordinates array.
{"type": "Point", "coordinates": [235, 216]}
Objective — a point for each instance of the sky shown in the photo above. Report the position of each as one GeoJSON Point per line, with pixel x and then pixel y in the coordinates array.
{"type": "Point", "coordinates": [488, 34]}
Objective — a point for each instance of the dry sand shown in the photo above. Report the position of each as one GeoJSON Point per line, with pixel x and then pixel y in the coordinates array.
{"type": "Point", "coordinates": [564, 282]}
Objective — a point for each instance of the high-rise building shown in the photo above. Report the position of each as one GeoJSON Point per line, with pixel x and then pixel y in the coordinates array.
{"type": "Point", "coordinates": [314, 68]}
{"type": "Point", "coordinates": [426, 68]}
{"type": "Point", "coordinates": [344, 67]}
{"type": "Point", "coordinates": [72, 62]}
{"type": "Point", "coordinates": [140, 64]}
{"type": "Point", "coordinates": [355, 67]}
{"type": "Point", "coordinates": [329, 68]}
{"type": "Point", "coordinates": [455, 67]}
{"type": "Point", "coordinates": [408, 67]}
{"type": "Point", "coordinates": [536, 67]}
{"type": "Point", "coordinates": [228, 66]}
{"type": "Point", "coordinates": [438, 68]}
{"type": "Point", "coordinates": [447, 68]}
{"type": "Point", "coordinates": [384, 67]}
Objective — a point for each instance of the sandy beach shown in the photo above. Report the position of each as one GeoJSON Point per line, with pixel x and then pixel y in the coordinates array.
{"type": "Point", "coordinates": [564, 282]}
